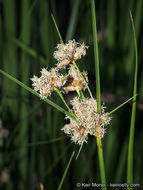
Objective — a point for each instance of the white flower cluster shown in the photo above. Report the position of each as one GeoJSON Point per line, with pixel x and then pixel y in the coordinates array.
{"type": "Point", "coordinates": [69, 52]}
{"type": "Point", "coordinates": [74, 80]}
{"type": "Point", "coordinates": [89, 120]}
{"type": "Point", "coordinates": [48, 81]}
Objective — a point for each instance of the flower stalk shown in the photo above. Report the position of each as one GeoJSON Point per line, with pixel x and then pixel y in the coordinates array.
{"type": "Point", "coordinates": [83, 79]}
{"type": "Point", "coordinates": [99, 142]}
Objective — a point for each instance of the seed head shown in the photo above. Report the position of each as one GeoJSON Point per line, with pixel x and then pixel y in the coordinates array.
{"type": "Point", "coordinates": [48, 81]}
{"type": "Point", "coordinates": [88, 118]}
{"type": "Point", "coordinates": [76, 131]}
{"type": "Point", "coordinates": [69, 52]}
{"type": "Point", "coordinates": [74, 80]}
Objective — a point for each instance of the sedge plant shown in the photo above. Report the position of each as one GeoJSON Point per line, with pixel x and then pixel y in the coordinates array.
{"type": "Point", "coordinates": [87, 116]}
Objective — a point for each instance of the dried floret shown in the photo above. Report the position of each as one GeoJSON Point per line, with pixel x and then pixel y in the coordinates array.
{"type": "Point", "coordinates": [74, 80]}
{"type": "Point", "coordinates": [48, 81]}
{"type": "Point", "coordinates": [69, 52]}
{"type": "Point", "coordinates": [91, 121]}
{"type": "Point", "coordinates": [77, 132]}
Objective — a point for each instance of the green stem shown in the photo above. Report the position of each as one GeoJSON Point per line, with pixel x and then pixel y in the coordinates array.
{"type": "Point", "coordinates": [121, 105]}
{"type": "Point", "coordinates": [57, 28]}
{"type": "Point", "coordinates": [65, 173]}
{"type": "Point", "coordinates": [78, 92]}
{"type": "Point", "coordinates": [132, 125]}
{"type": "Point", "coordinates": [83, 79]}
{"type": "Point", "coordinates": [62, 98]}
{"type": "Point", "coordinates": [80, 147]}
{"type": "Point", "coordinates": [82, 95]}
{"type": "Point", "coordinates": [98, 97]}
{"type": "Point", "coordinates": [101, 162]}
{"type": "Point", "coordinates": [37, 94]}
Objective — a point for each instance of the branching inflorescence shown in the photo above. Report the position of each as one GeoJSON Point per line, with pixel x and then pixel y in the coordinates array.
{"type": "Point", "coordinates": [88, 120]}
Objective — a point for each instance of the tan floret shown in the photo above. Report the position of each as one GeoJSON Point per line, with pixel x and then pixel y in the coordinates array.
{"type": "Point", "coordinates": [69, 52]}
{"type": "Point", "coordinates": [48, 81]}
{"type": "Point", "coordinates": [89, 120]}
{"type": "Point", "coordinates": [74, 80]}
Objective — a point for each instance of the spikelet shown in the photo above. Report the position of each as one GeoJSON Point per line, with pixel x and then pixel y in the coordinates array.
{"type": "Point", "coordinates": [74, 80]}
{"type": "Point", "coordinates": [89, 120]}
{"type": "Point", "coordinates": [48, 81]}
{"type": "Point", "coordinates": [69, 52]}
{"type": "Point", "coordinates": [77, 132]}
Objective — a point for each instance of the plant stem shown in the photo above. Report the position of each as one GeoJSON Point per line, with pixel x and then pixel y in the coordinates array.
{"type": "Point", "coordinates": [62, 98]}
{"type": "Point", "coordinates": [98, 97]}
{"type": "Point", "coordinates": [80, 147]}
{"type": "Point", "coordinates": [121, 105]}
{"type": "Point", "coordinates": [101, 162]}
{"type": "Point", "coordinates": [37, 94]}
{"type": "Point", "coordinates": [82, 95]}
{"type": "Point", "coordinates": [78, 93]}
{"type": "Point", "coordinates": [132, 125]}
{"type": "Point", "coordinates": [65, 173]}
{"type": "Point", "coordinates": [57, 28]}
{"type": "Point", "coordinates": [83, 79]}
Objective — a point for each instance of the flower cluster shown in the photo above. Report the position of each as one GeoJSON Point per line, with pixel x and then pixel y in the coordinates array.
{"type": "Point", "coordinates": [69, 52]}
{"type": "Point", "coordinates": [74, 80]}
{"type": "Point", "coordinates": [71, 81]}
{"type": "Point", "coordinates": [48, 81]}
{"type": "Point", "coordinates": [89, 120]}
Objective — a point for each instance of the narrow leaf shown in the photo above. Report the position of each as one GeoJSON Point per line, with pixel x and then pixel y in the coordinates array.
{"type": "Point", "coordinates": [132, 125]}
{"type": "Point", "coordinates": [56, 26]}
{"type": "Point", "coordinates": [36, 94]}
{"type": "Point", "coordinates": [122, 105]}
{"type": "Point", "coordinates": [65, 173]}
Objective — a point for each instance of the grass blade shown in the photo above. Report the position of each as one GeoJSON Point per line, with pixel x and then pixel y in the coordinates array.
{"type": "Point", "coordinates": [80, 147]}
{"type": "Point", "coordinates": [132, 125]}
{"type": "Point", "coordinates": [65, 173]}
{"type": "Point", "coordinates": [122, 105]}
{"type": "Point", "coordinates": [43, 142]}
{"type": "Point", "coordinates": [56, 26]}
{"type": "Point", "coordinates": [36, 94]}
